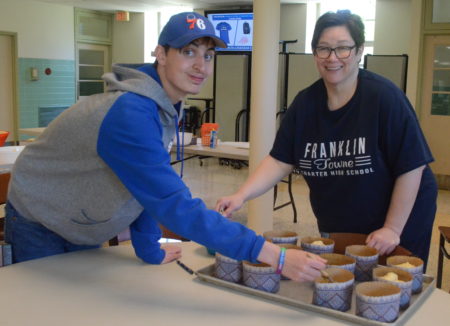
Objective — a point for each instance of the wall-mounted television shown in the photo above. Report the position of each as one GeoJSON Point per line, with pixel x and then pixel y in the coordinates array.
{"type": "Point", "coordinates": [235, 27]}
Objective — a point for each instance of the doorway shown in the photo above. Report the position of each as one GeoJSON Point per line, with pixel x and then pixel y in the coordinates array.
{"type": "Point", "coordinates": [435, 108]}
{"type": "Point", "coordinates": [8, 58]}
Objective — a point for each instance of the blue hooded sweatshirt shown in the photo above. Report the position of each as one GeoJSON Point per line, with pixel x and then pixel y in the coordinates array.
{"type": "Point", "coordinates": [103, 165]}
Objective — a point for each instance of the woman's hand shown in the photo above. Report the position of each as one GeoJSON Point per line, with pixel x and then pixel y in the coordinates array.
{"type": "Point", "coordinates": [302, 266]}
{"type": "Point", "coordinates": [384, 240]}
{"type": "Point", "coordinates": [173, 252]}
{"type": "Point", "coordinates": [268, 173]}
{"type": "Point", "coordinates": [227, 205]}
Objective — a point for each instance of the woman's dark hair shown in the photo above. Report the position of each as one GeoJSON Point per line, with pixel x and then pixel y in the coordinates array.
{"type": "Point", "coordinates": [340, 18]}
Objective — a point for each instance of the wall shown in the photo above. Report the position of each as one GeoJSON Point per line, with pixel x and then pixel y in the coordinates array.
{"type": "Point", "coordinates": [393, 27]}
{"type": "Point", "coordinates": [39, 39]}
{"type": "Point", "coordinates": [293, 26]}
{"type": "Point", "coordinates": [129, 40]}
{"type": "Point", "coordinates": [397, 32]}
{"type": "Point", "coordinates": [41, 45]}
{"type": "Point", "coordinates": [414, 50]}
{"type": "Point", "coordinates": [54, 90]}
{"type": "Point", "coordinates": [44, 30]}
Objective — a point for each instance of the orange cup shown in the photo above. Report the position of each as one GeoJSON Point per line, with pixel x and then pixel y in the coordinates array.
{"type": "Point", "coordinates": [3, 136]}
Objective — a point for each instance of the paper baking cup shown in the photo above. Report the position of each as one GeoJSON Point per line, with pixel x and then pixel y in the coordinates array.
{"type": "Point", "coordinates": [307, 245]}
{"type": "Point", "coordinates": [366, 260]}
{"type": "Point", "coordinates": [405, 281]}
{"type": "Point", "coordinates": [340, 261]}
{"type": "Point", "coordinates": [378, 301]}
{"type": "Point", "coordinates": [281, 237]}
{"type": "Point", "coordinates": [227, 269]}
{"type": "Point", "coordinates": [335, 295]}
{"type": "Point", "coordinates": [261, 277]}
{"type": "Point", "coordinates": [416, 271]}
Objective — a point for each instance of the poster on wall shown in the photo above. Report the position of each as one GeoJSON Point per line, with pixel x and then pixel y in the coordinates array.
{"type": "Point", "coordinates": [235, 28]}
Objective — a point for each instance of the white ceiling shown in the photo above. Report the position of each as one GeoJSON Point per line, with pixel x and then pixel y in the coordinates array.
{"type": "Point", "coordinates": [143, 5]}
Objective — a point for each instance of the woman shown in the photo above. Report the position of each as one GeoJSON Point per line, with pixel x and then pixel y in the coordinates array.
{"type": "Point", "coordinates": [355, 138]}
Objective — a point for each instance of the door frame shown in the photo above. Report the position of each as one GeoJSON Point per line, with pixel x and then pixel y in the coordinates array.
{"type": "Point", "coordinates": [428, 121]}
{"type": "Point", "coordinates": [14, 84]}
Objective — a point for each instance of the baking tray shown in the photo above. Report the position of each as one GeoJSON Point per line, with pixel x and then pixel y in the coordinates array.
{"type": "Point", "coordinates": [300, 295]}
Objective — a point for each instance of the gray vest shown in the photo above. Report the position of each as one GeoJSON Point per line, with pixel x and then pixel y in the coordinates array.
{"type": "Point", "coordinates": [60, 181]}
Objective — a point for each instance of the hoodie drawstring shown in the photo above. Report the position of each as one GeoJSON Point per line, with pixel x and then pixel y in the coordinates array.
{"type": "Point", "coordinates": [180, 157]}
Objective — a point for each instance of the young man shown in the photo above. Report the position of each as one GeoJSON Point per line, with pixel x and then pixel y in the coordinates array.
{"type": "Point", "coordinates": [103, 165]}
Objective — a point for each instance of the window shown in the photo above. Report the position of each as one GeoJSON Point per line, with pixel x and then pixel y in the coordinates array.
{"type": "Point", "coordinates": [441, 11]}
{"type": "Point", "coordinates": [93, 37]}
{"type": "Point", "coordinates": [364, 8]}
{"type": "Point", "coordinates": [93, 26]}
{"type": "Point", "coordinates": [92, 64]}
{"type": "Point", "coordinates": [440, 94]}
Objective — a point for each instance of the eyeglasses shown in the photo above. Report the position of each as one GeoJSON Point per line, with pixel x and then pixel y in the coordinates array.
{"type": "Point", "coordinates": [341, 52]}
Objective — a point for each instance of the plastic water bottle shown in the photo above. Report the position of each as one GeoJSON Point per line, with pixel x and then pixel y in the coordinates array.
{"type": "Point", "coordinates": [213, 139]}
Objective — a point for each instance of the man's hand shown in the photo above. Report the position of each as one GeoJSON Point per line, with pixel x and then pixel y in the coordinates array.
{"type": "Point", "coordinates": [173, 252]}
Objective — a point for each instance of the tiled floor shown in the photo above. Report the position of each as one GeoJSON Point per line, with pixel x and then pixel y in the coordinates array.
{"type": "Point", "coordinates": [211, 181]}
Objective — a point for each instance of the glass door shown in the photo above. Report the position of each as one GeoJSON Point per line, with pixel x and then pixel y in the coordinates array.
{"type": "Point", "coordinates": [435, 112]}
{"type": "Point", "coordinates": [93, 62]}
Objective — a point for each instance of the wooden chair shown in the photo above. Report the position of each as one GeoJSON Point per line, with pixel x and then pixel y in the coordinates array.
{"type": "Point", "coordinates": [4, 182]}
{"type": "Point", "coordinates": [342, 240]}
{"type": "Point", "coordinates": [444, 238]}
{"type": "Point", "coordinates": [122, 236]}
{"type": "Point", "coordinates": [166, 233]}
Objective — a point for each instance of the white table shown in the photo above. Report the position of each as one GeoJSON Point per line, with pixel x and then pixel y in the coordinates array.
{"type": "Point", "coordinates": [234, 153]}
{"type": "Point", "coordinates": [224, 151]}
{"type": "Point", "coordinates": [32, 131]}
{"type": "Point", "coordinates": [110, 286]}
{"type": "Point", "coordinates": [5, 168]}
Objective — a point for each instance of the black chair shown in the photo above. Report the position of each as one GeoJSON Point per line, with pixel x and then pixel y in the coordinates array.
{"type": "Point", "coordinates": [291, 197]}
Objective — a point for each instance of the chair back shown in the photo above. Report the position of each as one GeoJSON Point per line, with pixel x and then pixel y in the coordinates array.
{"type": "Point", "coordinates": [4, 182]}
{"type": "Point", "coordinates": [342, 240]}
{"type": "Point", "coordinates": [125, 236]}
{"type": "Point", "coordinates": [166, 233]}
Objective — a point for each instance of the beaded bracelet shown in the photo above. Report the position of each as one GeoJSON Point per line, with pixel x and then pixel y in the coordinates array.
{"type": "Point", "coordinates": [281, 261]}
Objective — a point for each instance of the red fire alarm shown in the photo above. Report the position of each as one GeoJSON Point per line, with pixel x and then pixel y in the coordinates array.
{"type": "Point", "coordinates": [48, 71]}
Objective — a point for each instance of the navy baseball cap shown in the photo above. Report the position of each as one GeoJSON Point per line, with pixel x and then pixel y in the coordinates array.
{"type": "Point", "coordinates": [183, 28]}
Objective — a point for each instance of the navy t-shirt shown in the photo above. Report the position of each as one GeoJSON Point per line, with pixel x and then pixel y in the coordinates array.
{"type": "Point", "coordinates": [351, 157]}
{"type": "Point", "coordinates": [224, 28]}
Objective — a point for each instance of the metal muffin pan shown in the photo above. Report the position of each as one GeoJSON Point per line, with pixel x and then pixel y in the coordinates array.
{"type": "Point", "coordinates": [300, 295]}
